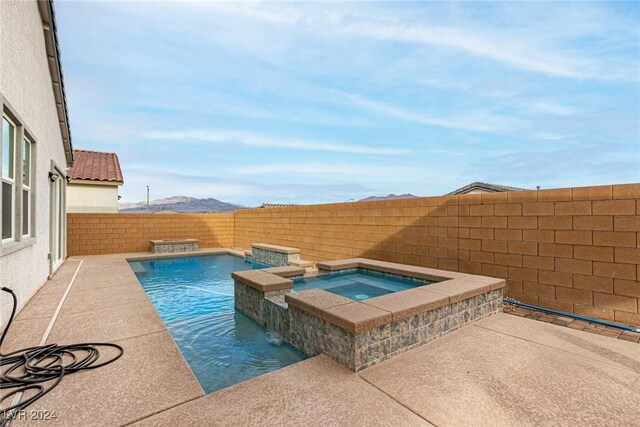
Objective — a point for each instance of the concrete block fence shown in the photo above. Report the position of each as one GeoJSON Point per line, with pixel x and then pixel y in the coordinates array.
{"type": "Point", "coordinates": [99, 234]}
{"type": "Point", "coordinates": [571, 249]}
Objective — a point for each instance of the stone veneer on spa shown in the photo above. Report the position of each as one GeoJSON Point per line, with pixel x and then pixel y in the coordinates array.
{"type": "Point", "coordinates": [361, 334]}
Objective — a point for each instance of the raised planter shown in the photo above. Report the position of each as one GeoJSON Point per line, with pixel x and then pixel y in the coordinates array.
{"type": "Point", "coordinates": [359, 334]}
{"type": "Point", "coordinates": [173, 246]}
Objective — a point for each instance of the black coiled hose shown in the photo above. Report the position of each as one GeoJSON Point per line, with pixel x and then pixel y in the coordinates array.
{"type": "Point", "coordinates": [35, 371]}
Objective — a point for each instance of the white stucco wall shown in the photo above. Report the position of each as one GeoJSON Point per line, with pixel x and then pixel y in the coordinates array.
{"type": "Point", "coordinates": [25, 83]}
{"type": "Point", "coordinates": [88, 198]}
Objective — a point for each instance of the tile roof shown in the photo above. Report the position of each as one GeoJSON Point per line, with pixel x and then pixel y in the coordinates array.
{"type": "Point", "coordinates": [489, 188]}
{"type": "Point", "coordinates": [96, 166]}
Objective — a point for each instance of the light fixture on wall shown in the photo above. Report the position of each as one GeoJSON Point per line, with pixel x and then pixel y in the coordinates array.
{"type": "Point", "coordinates": [53, 177]}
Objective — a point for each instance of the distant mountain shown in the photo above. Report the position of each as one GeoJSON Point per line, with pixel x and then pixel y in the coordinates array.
{"type": "Point", "coordinates": [179, 204]}
{"type": "Point", "coordinates": [389, 197]}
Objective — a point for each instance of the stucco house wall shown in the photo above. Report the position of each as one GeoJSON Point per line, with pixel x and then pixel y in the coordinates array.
{"type": "Point", "coordinates": [26, 85]}
{"type": "Point", "coordinates": [92, 198]}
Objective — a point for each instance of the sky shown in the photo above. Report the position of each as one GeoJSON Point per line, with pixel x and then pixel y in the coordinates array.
{"type": "Point", "coordinates": [312, 102]}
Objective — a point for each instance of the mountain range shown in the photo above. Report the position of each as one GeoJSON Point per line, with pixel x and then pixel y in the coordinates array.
{"type": "Point", "coordinates": [180, 204]}
{"type": "Point", "coordinates": [389, 197]}
{"type": "Point", "coordinates": [184, 204]}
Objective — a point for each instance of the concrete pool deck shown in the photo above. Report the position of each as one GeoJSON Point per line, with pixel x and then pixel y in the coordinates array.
{"type": "Point", "coordinates": [503, 370]}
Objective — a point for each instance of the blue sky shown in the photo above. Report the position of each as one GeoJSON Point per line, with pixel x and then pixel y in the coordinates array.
{"type": "Point", "coordinates": [320, 102]}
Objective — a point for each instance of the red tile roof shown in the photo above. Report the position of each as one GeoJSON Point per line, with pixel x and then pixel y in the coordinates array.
{"type": "Point", "coordinates": [96, 166]}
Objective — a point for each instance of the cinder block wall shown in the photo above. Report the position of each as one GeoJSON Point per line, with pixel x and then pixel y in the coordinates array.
{"type": "Point", "coordinates": [93, 234]}
{"type": "Point", "coordinates": [573, 249]}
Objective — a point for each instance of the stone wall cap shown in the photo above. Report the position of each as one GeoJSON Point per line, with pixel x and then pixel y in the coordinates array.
{"type": "Point", "coordinates": [406, 270]}
{"type": "Point", "coordinates": [496, 282]}
{"type": "Point", "coordinates": [286, 271]}
{"type": "Point", "coordinates": [275, 248]}
{"type": "Point", "coordinates": [463, 288]}
{"type": "Point", "coordinates": [173, 241]}
{"type": "Point", "coordinates": [339, 264]}
{"type": "Point", "coordinates": [313, 301]}
{"type": "Point", "coordinates": [413, 271]}
{"type": "Point", "coordinates": [356, 317]}
{"type": "Point", "coordinates": [262, 280]}
{"type": "Point", "coordinates": [409, 303]}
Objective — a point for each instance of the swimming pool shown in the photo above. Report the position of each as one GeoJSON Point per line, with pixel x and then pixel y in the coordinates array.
{"type": "Point", "coordinates": [194, 297]}
{"type": "Point", "coordinates": [358, 284]}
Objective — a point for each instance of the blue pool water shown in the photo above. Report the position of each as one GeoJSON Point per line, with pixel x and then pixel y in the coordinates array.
{"type": "Point", "coordinates": [194, 298]}
{"type": "Point", "coordinates": [358, 284]}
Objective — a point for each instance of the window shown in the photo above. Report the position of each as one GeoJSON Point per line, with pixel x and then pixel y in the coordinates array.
{"type": "Point", "coordinates": [18, 184]}
{"type": "Point", "coordinates": [26, 187]}
{"type": "Point", "coordinates": [8, 179]}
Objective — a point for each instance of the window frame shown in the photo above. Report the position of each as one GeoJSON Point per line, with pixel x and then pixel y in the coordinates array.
{"type": "Point", "coordinates": [27, 187]}
{"type": "Point", "coordinates": [19, 240]}
{"type": "Point", "coordinates": [10, 180]}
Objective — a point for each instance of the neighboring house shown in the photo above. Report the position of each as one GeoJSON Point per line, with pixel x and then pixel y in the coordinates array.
{"type": "Point", "coordinates": [35, 149]}
{"type": "Point", "coordinates": [93, 182]}
{"type": "Point", "coordinates": [276, 205]}
{"type": "Point", "coordinates": [482, 187]}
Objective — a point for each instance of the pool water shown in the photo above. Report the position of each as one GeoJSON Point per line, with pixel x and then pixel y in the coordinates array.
{"type": "Point", "coordinates": [358, 284]}
{"type": "Point", "coordinates": [194, 297]}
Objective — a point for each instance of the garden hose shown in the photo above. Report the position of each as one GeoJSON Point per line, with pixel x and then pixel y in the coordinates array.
{"type": "Point", "coordinates": [34, 371]}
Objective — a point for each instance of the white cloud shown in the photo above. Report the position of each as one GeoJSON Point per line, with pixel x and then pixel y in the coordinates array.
{"type": "Point", "coordinates": [553, 108]}
{"type": "Point", "coordinates": [357, 171]}
{"type": "Point", "coordinates": [515, 54]}
{"type": "Point", "coordinates": [253, 140]}
{"type": "Point", "coordinates": [564, 167]}
{"type": "Point", "coordinates": [475, 121]}
{"type": "Point", "coordinates": [525, 49]}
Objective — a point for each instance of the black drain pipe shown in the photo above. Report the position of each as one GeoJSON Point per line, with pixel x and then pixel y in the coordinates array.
{"type": "Point", "coordinates": [575, 316]}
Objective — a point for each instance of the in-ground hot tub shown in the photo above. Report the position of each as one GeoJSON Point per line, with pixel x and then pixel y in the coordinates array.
{"type": "Point", "coordinates": [361, 323]}
{"type": "Point", "coordinates": [358, 284]}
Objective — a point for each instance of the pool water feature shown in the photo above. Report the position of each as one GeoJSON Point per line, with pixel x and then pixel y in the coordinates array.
{"type": "Point", "coordinates": [358, 284]}
{"type": "Point", "coordinates": [194, 297]}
